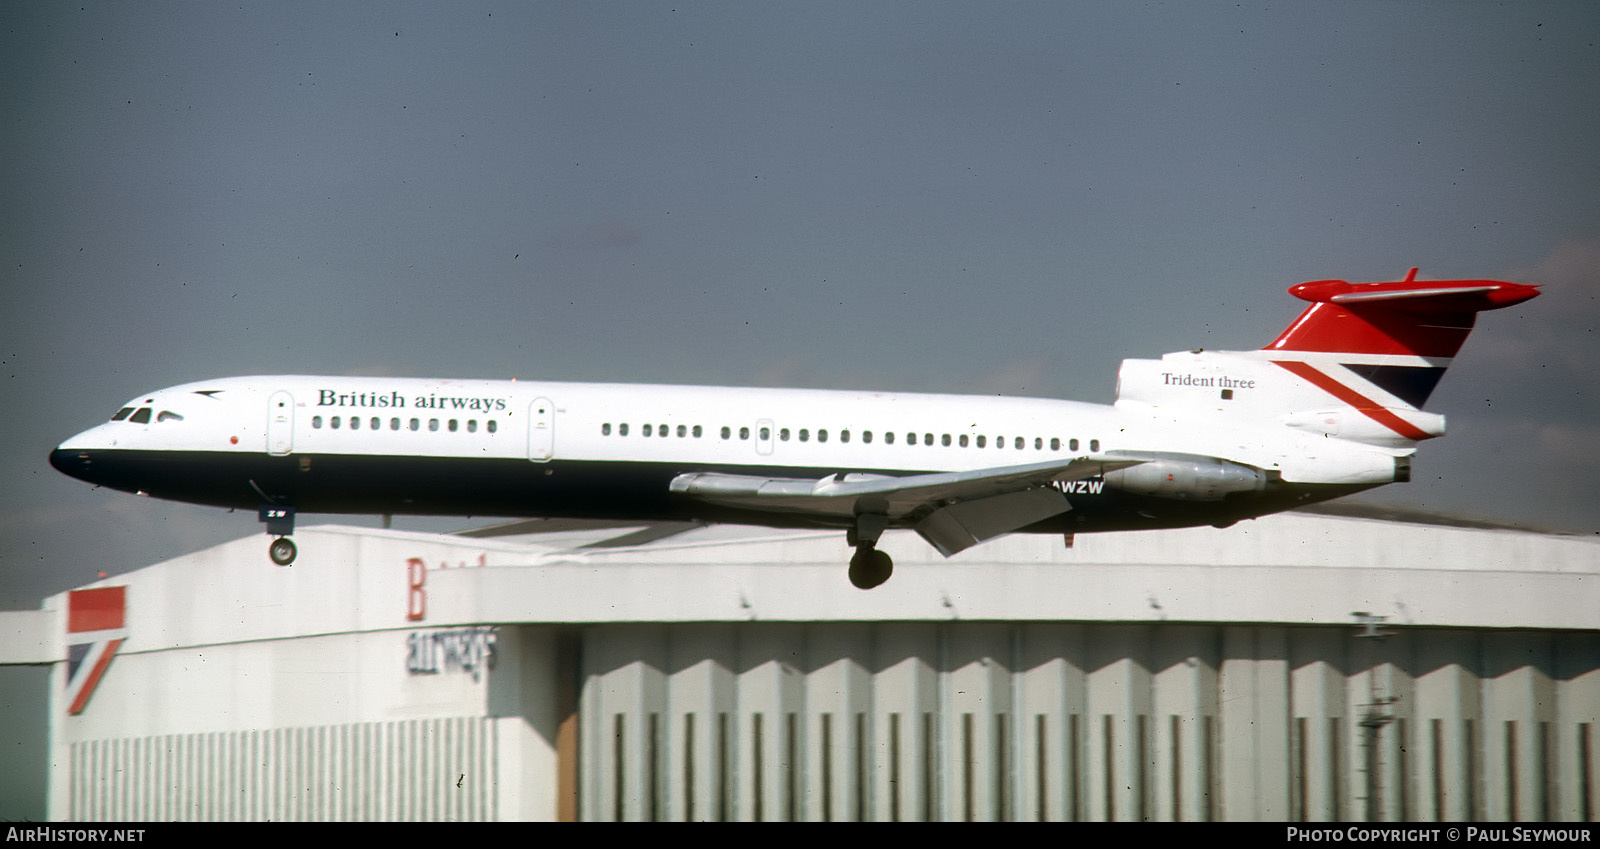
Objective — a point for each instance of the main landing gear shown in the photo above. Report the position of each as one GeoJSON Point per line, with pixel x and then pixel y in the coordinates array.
{"type": "Point", "coordinates": [280, 524]}
{"type": "Point", "coordinates": [869, 567]}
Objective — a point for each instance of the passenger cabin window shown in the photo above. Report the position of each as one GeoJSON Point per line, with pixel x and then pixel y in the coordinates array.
{"type": "Point", "coordinates": [1094, 445]}
{"type": "Point", "coordinates": [605, 429]}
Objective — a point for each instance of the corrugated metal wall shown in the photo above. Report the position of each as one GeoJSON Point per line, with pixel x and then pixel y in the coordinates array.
{"type": "Point", "coordinates": [951, 721]}
{"type": "Point", "coordinates": [426, 769]}
{"type": "Point", "coordinates": [978, 721]}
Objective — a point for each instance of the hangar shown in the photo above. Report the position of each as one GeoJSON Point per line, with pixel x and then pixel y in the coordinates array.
{"type": "Point", "coordinates": [1296, 667]}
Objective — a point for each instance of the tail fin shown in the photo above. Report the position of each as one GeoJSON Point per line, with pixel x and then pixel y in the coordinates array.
{"type": "Point", "coordinates": [1399, 335]}
{"type": "Point", "coordinates": [1356, 366]}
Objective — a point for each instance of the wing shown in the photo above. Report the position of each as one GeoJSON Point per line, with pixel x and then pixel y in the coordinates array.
{"type": "Point", "coordinates": [951, 510]}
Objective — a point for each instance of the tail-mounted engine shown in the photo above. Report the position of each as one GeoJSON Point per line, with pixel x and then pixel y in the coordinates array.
{"type": "Point", "coordinates": [1188, 478]}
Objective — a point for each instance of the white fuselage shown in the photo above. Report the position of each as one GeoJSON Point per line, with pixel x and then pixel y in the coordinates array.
{"type": "Point", "coordinates": [533, 448]}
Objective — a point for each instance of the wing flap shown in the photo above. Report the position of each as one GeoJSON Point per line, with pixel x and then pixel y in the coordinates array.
{"type": "Point", "coordinates": [964, 524]}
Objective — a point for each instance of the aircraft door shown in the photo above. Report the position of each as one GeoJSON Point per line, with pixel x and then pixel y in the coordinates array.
{"type": "Point", "coordinates": [280, 423]}
{"type": "Point", "coordinates": [764, 437]}
{"type": "Point", "coordinates": [541, 430]}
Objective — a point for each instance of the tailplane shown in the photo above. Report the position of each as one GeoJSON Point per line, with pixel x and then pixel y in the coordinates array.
{"type": "Point", "coordinates": [1427, 318]}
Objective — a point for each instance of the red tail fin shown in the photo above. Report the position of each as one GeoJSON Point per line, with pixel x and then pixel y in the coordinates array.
{"type": "Point", "coordinates": [1427, 318]}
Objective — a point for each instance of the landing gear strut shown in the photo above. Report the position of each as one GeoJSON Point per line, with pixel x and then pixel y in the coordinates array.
{"type": "Point", "coordinates": [280, 524]}
{"type": "Point", "coordinates": [869, 567]}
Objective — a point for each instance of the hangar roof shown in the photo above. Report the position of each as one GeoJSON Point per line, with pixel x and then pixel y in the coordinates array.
{"type": "Point", "coordinates": [1290, 568]}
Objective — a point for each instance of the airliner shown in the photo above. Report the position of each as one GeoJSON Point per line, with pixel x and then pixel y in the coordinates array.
{"type": "Point", "coordinates": [1332, 406]}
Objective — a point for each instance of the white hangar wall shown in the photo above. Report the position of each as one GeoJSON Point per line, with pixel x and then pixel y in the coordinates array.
{"type": "Point", "coordinates": [732, 674]}
{"type": "Point", "coordinates": [245, 691]}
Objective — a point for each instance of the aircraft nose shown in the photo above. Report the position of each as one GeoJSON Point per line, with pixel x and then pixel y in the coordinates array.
{"type": "Point", "coordinates": [70, 462]}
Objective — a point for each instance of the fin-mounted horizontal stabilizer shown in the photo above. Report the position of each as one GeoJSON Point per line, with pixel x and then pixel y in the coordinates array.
{"type": "Point", "coordinates": [1426, 318]}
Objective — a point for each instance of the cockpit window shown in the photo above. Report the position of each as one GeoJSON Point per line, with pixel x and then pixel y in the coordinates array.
{"type": "Point", "coordinates": [168, 416]}
{"type": "Point", "coordinates": [142, 416]}
{"type": "Point", "coordinates": [122, 414]}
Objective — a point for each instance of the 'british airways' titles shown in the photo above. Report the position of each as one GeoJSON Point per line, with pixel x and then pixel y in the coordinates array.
{"type": "Point", "coordinates": [394, 400]}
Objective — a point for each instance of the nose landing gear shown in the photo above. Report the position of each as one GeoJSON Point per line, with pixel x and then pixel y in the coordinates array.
{"type": "Point", "coordinates": [280, 524]}
{"type": "Point", "coordinates": [282, 551]}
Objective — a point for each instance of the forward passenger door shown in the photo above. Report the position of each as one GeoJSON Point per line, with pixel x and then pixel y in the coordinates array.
{"type": "Point", "coordinates": [280, 423]}
{"type": "Point", "coordinates": [541, 430]}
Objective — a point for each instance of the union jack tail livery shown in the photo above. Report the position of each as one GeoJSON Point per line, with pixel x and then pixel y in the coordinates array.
{"type": "Point", "coordinates": [1399, 336]}
{"type": "Point", "coordinates": [1380, 348]}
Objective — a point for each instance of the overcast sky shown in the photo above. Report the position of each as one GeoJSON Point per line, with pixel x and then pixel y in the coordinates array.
{"type": "Point", "coordinates": [954, 197]}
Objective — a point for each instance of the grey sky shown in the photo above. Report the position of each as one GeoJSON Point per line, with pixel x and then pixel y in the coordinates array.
{"type": "Point", "coordinates": [915, 196]}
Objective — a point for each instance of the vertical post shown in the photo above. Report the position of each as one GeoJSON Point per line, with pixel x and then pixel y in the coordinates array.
{"type": "Point", "coordinates": [1375, 714]}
